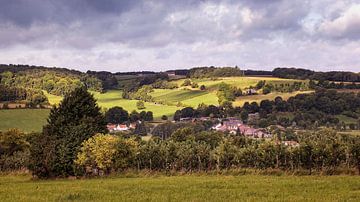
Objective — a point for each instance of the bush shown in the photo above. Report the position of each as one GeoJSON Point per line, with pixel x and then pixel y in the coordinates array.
{"type": "Point", "coordinates": [140, 104]}
{"type": "Point", "coordinates": [187, 82]}
{"type": "Point", "coordinates": [98, 153]}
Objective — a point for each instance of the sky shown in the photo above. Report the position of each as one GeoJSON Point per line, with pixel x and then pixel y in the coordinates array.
{"type": "Point", "coordinates": [135, 35]}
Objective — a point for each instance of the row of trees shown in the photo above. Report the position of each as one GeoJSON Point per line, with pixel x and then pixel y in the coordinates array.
{"type": "Point", "coordinates": [213, 72]}
{"type": "Point", "coordinates": [118, 115]}
{"type": "Point", "coordinates": [52, 81]}
{"type": "Point", "coordinates": [32, 97]}
{"type": "Point", "coordinates": [297, 73]}
{"type": "Point", "coordinates": [322, 151]}
{"type": "Point", "coordinates": [304, 110]}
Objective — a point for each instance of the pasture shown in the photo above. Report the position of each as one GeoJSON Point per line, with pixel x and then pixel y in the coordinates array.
{"type": "Point", "coordinates": [27, 120]}
{"type": "Point", "coordinates": [183, 188]}
{"type": "Point", "coordinates": [113, 98]}
{"type": "Point", "coordinates": [239, 82]}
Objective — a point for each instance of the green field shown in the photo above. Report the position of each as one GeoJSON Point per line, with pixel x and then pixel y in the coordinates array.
{"type": "Point", "coordinates": [184, 188]}
{"type": "Point", "coordinates": [187, 97]}
{"type": "Point", "coordinates": [240, 82]}
{"type": "Point", "coordinates": [25, 119]}
{"type": "Point", "coordinates": [346, 119]}
{"type": "Point", "coordinates": [113, 98]}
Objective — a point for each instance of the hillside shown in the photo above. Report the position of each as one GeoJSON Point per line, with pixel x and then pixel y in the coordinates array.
{"type": "Point", "coordinates": [166, 101]}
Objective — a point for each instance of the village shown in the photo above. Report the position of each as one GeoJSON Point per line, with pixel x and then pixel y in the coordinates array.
{"type": "Point", "coordinates": [231, 125]}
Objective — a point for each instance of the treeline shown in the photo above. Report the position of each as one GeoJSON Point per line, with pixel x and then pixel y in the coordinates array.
{"type": "Point", "coordinates": [287, 87]}
{"type": "Point", "coordinates": [107, 79]}
{"type": "Point", "coordinates": [303, 110]}
{"type": "Point", "coordinates": [333, 85]}
{"type": "Point", "coordinates": [297, 73]}
{"type": "Point", "coordinates": [211, 72]}
{"type": "Point", "coordinates": [32, 97]}
{"type": "Point", "coordinates": [53, 81]}
{"type": "Point", "coordinates": [118, 115]}
{"type": "Point", "coordinates": [322, 151]}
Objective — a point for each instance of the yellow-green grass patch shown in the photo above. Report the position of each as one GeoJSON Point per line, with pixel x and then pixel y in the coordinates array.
{"type": "Point", "coordinates": [184, 188]}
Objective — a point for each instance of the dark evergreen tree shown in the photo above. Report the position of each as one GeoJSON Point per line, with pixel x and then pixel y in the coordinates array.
{"type": "Point", "coordinates": [116, 115]}
{"type": "Point", "coordinates": [77, 118]}
{"type": "Point", "coordinates": [140, 129]}
{"type": "Point", "coordinates": [149, 116]}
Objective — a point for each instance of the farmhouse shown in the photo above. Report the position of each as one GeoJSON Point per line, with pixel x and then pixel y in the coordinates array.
{"type": "Point", "coordinates": [117, 127]}
{"type": "Point", "coordinates": [236, 126]}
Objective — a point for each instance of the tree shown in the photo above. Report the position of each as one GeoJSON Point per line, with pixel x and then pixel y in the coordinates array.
{"type": "Point", "coordinates": [140, 104]}
{"type": "Point", "coordinates": [149, 116]}
{"type": "Point", "coordinates": [267, 89]}
{"type": "Point", "coordinates": [164, 117]}
{"type": "Point", "coordinates": [77, 118]}
{"type": "Point", "coordinates": [187, 82]}
{"type": "Point", "coordinates": [244, 115]}
{"type": "Point", "coordinates": [134, 116]}
{"type": "Point", "coordinates": [116, 115]}
{"type": "Point", "coordinates": [194, 85]}
{"type": "Point", "coordinates": [140, 129]}
{"type": "Point", "coordinates": [98, 152]}
{"type": "Point", "coordinates": [12, 141]}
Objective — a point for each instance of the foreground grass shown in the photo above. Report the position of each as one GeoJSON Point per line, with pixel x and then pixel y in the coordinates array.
{"type": "Point", "coordinates": [184, 188]}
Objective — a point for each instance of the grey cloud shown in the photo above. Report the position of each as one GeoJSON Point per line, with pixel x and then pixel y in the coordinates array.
{"type": "Point", "coordinates": [188, 31]}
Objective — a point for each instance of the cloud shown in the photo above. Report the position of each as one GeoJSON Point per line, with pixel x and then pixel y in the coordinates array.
{"type": "Point", "coordinates": [123, 35]}
{"type": "Point", "coordinates": [347, 25]}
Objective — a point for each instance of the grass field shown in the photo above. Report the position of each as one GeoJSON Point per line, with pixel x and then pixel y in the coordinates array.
{"type": "Point", "coordinates": [113, 98]}
{"type": "Point", "coordinates": [188, 97]}
{"type": "Point", "coordinates": [346, 119]}
{"type": "Point", "coordinates": [27, 120]}
{"type": "Point", "coordinates": [184, 188]}
{"type": "Point", "coordinates": [239, 82]}
{"type": "Point", "coordinates": [351, 132]}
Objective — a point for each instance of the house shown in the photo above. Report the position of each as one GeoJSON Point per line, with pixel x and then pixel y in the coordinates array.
{"type": "Point", "coordinates": [117, 127]}
{"type": "Point", "coordinates": [111, 127]}
{"type": "Point", "coordinates": [290, 143]}
{"type": "Point", "coordinates": [234, 126]}
{"type": "Point", "coordinates": [186, 119]}
{"type": "Point", "coordinates": [122, 127]}
{"type": "Point", "coordinates": [171, 73]}
{"type": "Point", "coordinates": [251, 91]}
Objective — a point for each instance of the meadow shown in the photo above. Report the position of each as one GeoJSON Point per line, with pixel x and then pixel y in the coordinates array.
{"type": "Point", "coordinates": [183, 188]}
{"type": "Point", "coordinates": [28, 120]}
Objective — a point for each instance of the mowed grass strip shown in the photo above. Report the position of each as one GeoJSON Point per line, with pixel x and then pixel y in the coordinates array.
{"type": "Point", "coordinates": [188, 97]}
{"type": "Point", "coordinates": [184, 188]}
